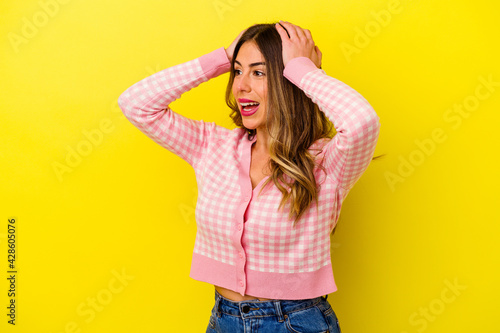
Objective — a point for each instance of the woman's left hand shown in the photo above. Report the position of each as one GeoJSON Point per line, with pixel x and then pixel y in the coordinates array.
{"type": "Point", "coordinates": [297, 43]}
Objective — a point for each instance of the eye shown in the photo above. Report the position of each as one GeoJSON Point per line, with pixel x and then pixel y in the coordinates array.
{"type": "Point", "coordinates": [259, 73]}
{"type": "Point", "coordinates": [237, 72]}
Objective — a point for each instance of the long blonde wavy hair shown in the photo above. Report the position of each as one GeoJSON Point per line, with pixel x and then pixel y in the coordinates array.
{"type": "Point", "coordinates": [293, 121]}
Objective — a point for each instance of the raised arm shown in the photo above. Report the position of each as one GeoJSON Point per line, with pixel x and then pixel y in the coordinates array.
{"type": "Point", "coordinates": [146, 105]}
{"type": "Point", "coordinates": [349, 153]}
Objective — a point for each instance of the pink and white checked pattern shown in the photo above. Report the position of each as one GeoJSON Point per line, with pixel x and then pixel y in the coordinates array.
{"type": "Point", "coordinates": [243, 243]}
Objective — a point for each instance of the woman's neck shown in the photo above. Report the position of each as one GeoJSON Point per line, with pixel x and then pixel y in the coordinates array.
{"type": "Point", "coordinates": [261, 146]}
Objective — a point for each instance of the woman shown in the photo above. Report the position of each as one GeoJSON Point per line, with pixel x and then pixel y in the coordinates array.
{"type": "Point", "coordinates": [270, 190]}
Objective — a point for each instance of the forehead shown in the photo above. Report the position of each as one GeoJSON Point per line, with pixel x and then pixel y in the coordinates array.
{"type": "Point", "coordinates": [249, 53]}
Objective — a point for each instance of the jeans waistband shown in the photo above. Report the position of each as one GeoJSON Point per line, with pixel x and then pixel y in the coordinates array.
{"type": "Point", "coordinates": [255, 308]}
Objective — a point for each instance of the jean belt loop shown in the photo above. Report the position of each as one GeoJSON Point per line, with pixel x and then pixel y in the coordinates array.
{"type": "Point", "coordinates": [217, 306]}
{"type": "Point", "coordinates": [279, 312]}
{"type": "Point", "coordinates": [325, 297]}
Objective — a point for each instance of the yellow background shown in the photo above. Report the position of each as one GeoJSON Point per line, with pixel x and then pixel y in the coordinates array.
{"type": "Point", "coordinates": [128, 205]}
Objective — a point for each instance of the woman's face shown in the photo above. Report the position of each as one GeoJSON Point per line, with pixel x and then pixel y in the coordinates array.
{"type": "Point", "coordinates": [250, 85]}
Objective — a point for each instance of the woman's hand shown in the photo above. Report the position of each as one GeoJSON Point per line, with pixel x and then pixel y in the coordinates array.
{"type": "Point", "coordinates": [297, 42]}
{"type": "Point", "coordinates": [230, 49]}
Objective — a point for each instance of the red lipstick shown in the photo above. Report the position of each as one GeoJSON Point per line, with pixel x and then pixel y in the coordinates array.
{"type": "Point", "coordinates": [248, 107]}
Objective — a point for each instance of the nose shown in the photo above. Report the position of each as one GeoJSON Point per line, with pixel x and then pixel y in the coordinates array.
{"type": "Point", "coordinates": [243, 83]}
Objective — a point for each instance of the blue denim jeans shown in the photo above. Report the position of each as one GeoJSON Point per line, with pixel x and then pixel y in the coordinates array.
{"type": "Point", "coordinates": [313, 315]}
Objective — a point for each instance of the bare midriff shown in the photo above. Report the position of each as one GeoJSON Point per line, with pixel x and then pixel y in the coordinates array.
{"type": "Point", "coordinates": [236, 297]}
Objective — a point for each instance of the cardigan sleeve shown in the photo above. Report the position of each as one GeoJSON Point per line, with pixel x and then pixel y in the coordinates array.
{"type": "Point", "coordinates": [146, 105]}
{"type": "Point", "coordinates": [350, 151]}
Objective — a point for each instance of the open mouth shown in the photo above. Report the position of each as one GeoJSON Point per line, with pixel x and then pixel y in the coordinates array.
{"type": "Point", "coordinates": [248, 107]}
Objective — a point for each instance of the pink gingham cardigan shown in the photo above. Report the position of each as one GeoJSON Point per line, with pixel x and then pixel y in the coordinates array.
{"type": "Point", "coordinates": [243, 243]}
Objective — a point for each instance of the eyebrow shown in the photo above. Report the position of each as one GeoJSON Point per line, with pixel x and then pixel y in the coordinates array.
{"type": "Point", "coordinates": [253, 64]}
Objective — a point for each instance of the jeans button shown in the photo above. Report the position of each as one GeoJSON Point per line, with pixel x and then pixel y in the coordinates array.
{"type": "Point", "coordinates": [245, 308]}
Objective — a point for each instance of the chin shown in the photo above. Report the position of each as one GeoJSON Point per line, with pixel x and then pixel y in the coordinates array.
{"type": "Point", "coordinates": [250, 127]}
{"type": "Point", "coordinates": [250, 124]}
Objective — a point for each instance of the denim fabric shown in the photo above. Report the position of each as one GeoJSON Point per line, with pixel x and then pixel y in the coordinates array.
{"type": "Point", "coordinates": [313, 315]}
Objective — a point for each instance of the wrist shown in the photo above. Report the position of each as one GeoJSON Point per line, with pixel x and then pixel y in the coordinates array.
{"type": "Point", "coordinates": [215, 63]}
{"type": "Point", "coordinates": [297, 67]}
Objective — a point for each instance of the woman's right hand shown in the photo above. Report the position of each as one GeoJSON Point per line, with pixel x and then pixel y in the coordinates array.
{"type": "Point", "coordinates": [230, 49]}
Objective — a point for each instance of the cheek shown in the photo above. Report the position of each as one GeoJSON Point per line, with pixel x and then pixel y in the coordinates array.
{"type": "Point", "coordinates": [264, 91]}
